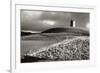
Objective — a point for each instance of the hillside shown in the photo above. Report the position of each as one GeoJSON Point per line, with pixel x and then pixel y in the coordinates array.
{"type": "Point", "coordinates": [68, 30]}
{"type": "Point", "coordinates": [72, 49]}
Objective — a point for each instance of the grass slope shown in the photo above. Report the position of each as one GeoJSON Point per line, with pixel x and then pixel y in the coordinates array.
{"type": "Point", "coordinates": [72, 49]}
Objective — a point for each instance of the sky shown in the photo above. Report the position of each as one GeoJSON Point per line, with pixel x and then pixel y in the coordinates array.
{"type": "Point", "coordinates": [42, 20]}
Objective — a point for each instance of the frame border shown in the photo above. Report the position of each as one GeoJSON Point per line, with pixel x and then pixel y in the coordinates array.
{"type": "Point", "coordinates": [13, 69]}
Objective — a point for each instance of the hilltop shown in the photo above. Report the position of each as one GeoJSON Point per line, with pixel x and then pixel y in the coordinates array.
{"type": "Point", "coordinates": [68, 30]}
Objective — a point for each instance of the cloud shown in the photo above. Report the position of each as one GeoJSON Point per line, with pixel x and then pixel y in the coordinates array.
{"type": "Point", "coordinates": [43, 20]}
{"type": "Point", "coordinates": [49, 22]}
{"type": "Point", "coordinates": [30, 15]}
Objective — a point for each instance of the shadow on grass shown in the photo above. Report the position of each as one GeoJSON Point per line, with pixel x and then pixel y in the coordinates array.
{"type": "Point", "coordinates": [31, 59]}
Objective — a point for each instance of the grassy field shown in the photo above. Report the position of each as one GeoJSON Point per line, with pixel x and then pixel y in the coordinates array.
{"type": "Point", "coordinates": [44, 47]}
{"type": "Point", "coordinates": [37, 41]}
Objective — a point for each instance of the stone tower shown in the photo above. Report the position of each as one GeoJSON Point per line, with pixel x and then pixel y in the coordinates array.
{"type": "Point", "coordinates": [72, 23]}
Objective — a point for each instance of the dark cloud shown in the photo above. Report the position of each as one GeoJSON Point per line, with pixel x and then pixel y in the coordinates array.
{"type": "Point", "coordinates": [42, 20]}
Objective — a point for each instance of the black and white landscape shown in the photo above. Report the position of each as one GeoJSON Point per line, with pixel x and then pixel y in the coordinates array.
{"type": "Point", "coordinates": [54, 36]}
